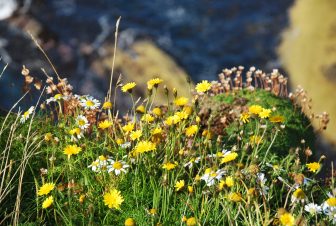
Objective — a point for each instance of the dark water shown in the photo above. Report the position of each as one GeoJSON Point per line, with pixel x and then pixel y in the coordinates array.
{"type": "Point", "coordinates": [203, 36]}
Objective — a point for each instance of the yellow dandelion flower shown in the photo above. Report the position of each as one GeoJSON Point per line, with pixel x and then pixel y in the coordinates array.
{"type": "Point", "coordinates": [157, 131]}
{"type": "Point", "coordinates": [130, 222]}
{"type": "Point", "coordinates": [119, 141]}
{"type": "Point", "coordinates": [128, 127]}
{"type": "Point", "coordinates": [313, 166]}
{"type": "Point", "coordinates": [157, 111]}
{"type": "Point", "coordinates": [113, 199]}
{"type": "Point", "coordinates": [245, 117]}
{"type": "Point", "coordinates": [105, 124]}
{"type": "Point", "coordinates": [188, 110]}
{"type": "Point", "coordinates": [221, 185]}
{"type": "Point", "coordinates": [229, 157]}
{"type": "Point", "coordinates": [153, 211]}
{"type": "Point", "coordinates": [255, 109]}
{"type": "Point", "coordinates": [107, 105]}
{"type": "Point", "coordinates": [203, 86]}
{"type": "Point", "coordinates": [277, 119]}
{"type": "Point", "coordinates": [48, 137]}
{"type": "Point", "coordinates": [47, 202]}
{"type": "Point", "coordinates": [147, 118]}
{"type": "Point", "coordinates": [135, 134]}
{"type": "Point", "coordinates": [181, 101]}
{"type": "Point", "coordinates": [255, 139]}
{"type": "Point", "coordinates": [234, 197]}
{"type": "Point", "coordinates": [265, 113]}
{"type": "Point", "coordinates": [128, 87]}
{"type": "Point", "coordinates": [140, 109]}
{"type": "Point", "coordinates": [154, 83]}
{"type": "Point", "coordinates": [287, 219]}
{"type": "Point", "coordinates": [182, 114]}
{"type": "Point", "coordinates": [169, 166]}
{"type": "Point", "coordinates": [191, 221]}
{"type": "Point", "coordinates": [144, 146]}
{"type": "Point", "coordinates": [45, 189]}
{"type": "Point", "coordinates": [179, 185]}
{"type": "Point", "coordinates": [75, 131]}
{"type": "Point", "coordinates": [172, 120]}
{"type": "Point", "coordinates": [229, 181]}
{"type": "Point", "coordinates": [191, 130]}
{"type": "Point", "coordinates": [81, 198]}
{"type": "Point", "coordinates": [72, 150]}
{"type": "Point", "coordinates": [190, 189]}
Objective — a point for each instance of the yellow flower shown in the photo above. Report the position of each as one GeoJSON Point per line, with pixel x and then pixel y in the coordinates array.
{"type": "Point", "coordinates": [128, 87]}
{"type": "Point", "coordinates": [191, 130]}
{"type": "Point", "coordinates": [129, 127]}
{"type": "Point", "coordinates": [129, 222]}
{"type": "Point", "coordinates": [172, 120]}
{"type": "Point", "coordinates": [203, 86]}
{"type": "Point", "coordinates": [182, 114]}
{"type": "Point", "coordinates": [179, 185]}
{"type": "Point", "coordinates": [265, 113]}
{"type": "Point", "coordinates": [191, 221]}
{"type": "Point", "coordinates": [72, 150]}
{"type": "Point", "coordinates": [120, 141]}
{"type": "Point", "coordinates": [298, 195]}
{"type": "Point", "coordinates": [207, 134]}
{"type": "Point", "coordinates": [48, 136]}
{"type": "Point", "coordinates": [47, 202]}
{"type": "Point", "coordinates": [147, 118]}
{"type": "Point", "coordinates": [229, 157]}
{"type": "Point", "coordinates": [255, 109]}
{"type": "Point", "coordinates": [331, 202]}
{"type": "Point", "coordinates": [113, 199]}
{"type": "Point", "coordinates": [140, 109]}
{"type": "Point", "coordinates": [313, 166]}
{"type": "Point", "coordinates": [154, 83]}
{"type": "Point", "coordinates": [221, 185]}
{"type": "Point", "coordinates": [277, 119]}
{"type": "Point", "coordinates": [75, 131]}
{"type": "Point", "coordinates": [287, 219]}
{"type": "Point", "coordinates": [229, 181]}
{"type": "Point", "coordinates": [181, 101]}
{"type": "Point", "coordinates": [255, 139]}
{"type": "Point", "coordinates": [144, 146]}
{"type": "Point", "coordinates": [107, 105]}
{"type": "Point", "coordinates": [81, 198]}
{"type": "Point", "coordinates": [245, 117]}
{"type": "Point", "coordinates": [152, 211]}
{"type": "Point", "coordinates": [188, 110]}
{"type": "Point", "coordinates": [169, 166]}
{"type": "Point", "coordinates": [104, 124]}
{"type": "Point", "coordinates": [156, 131]}
{"type": "Point", "coordinates": [234, 197]}
{"type": "Point", "coordinates": [46, 189]}
{"type": "Point", "coordinates": [136, 134]}
{"type": "Point", "coordinates": [190, 189]}
{"type": "Point", "coordinates": [157, 111]}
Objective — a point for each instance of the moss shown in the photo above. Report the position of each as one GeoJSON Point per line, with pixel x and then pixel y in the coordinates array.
{"type": "Point", "coordinates": [297, 125]}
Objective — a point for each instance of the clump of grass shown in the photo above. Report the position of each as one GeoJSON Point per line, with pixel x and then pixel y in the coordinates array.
{"type": "Point", "coordinates": [222, 157]}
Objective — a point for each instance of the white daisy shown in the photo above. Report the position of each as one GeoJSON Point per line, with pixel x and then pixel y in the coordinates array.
{"type": "Point", "coordinates": [26, 114]}
{"type": "Point", "coordinates": [82, 122]}
{"type": "Point", "coordinates": [117, 166]}
{"type": "Point", "coordinates": [89, 103]}
{"type": "Point", "coordinates": [192, 161]}
{"type": "Point", "coordinates": [262, 181]}
{"type": "Point", "coordinates": [56, 98]}
{"type": "Point", "coordinates": [211, 176]}
{"type": "Point", "coordinates": [313, 208]}
{"type": "Point", "coordinates": [99, 164]}
{"type": "Point", "coordinates": [125, 145]}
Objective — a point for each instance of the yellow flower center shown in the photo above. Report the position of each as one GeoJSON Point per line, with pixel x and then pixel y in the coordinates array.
{"type": "Point", "coordinates": [117, 165]}
{"type": "Point", "coordinates": [89, 103]}
{"type": "Point", "coordinates": [81, 122]}
{"type": "Point", "coordinates": [331, 201]}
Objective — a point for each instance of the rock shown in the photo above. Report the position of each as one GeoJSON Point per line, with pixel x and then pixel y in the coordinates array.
{"type": "Point", "coordinates": [308, 53]}
{"type": "Point", "coordinates": [142, 61]}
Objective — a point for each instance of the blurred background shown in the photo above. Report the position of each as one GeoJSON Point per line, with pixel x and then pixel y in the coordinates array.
{"type": "Point", "coordinates": [172, 39]}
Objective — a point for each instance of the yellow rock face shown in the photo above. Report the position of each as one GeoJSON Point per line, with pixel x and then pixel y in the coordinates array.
{"type": "Point", "coordinates": [141, 62]}
{"type": "Point", "coordinates": [308, 52]}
